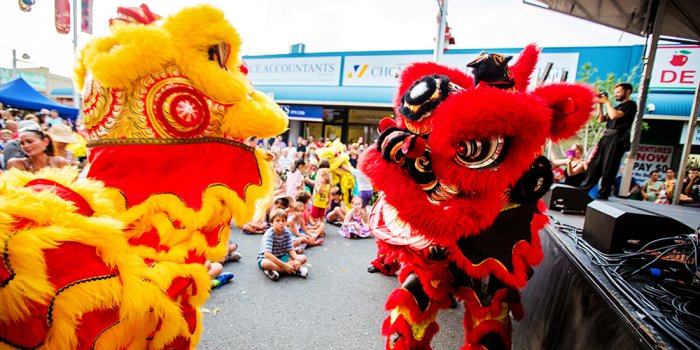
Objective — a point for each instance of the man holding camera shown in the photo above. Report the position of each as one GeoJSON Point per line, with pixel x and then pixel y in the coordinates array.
{"type": "Point", "coordinates": [615, 141]}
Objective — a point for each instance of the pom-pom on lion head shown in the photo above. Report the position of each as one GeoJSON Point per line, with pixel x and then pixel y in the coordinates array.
{"type": "Point", "coordinates": [181, 77]}
{"type": "Point", "coordinates": [456, 148]}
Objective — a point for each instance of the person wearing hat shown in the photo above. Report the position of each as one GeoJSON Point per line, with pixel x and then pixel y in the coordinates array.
{"type": "Point", "coordinates": [43, 114]}
{"type": "Point", "coordinates": [12, 148]}
{"type": "Point", "coordinates": [62, 136]}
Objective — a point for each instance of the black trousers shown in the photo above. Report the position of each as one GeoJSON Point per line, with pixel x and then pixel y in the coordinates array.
{"type": "Point", "coordinates": [605, 164]}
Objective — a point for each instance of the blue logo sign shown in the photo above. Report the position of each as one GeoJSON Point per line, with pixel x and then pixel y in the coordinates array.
{"type": "Point", "coordinates": [309, 113]}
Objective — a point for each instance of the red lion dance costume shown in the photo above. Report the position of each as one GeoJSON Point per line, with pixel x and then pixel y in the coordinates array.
{"type": "Point", "coordinates": [117, 263]}
{"type": "Point", "coordinates": [460, 179]}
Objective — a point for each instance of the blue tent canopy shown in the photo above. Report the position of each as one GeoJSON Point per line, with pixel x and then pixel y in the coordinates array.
{"type": "Point", "coordinates": [19, 94]}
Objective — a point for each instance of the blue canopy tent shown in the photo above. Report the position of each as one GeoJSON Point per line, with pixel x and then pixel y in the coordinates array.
{"type": "Point", "coordinates": [19, 94]}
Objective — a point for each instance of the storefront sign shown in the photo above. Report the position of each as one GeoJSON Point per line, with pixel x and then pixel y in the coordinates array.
{"type": "Point", "coordinates": [37, 81]}
{"type": "Point", "coordinates": [684, 135]}
{"type": "Point", "coordinates": [316, 71]}
{"type": "Point", "coordinates": [694, 161]}
{"type": "Point", "coordinates": [651, 157]}
{"type": "Point", "coordinates": [307, 113]}
{"type": "Point", "coordinates": [379, 70]}
{"type": "Point", "coordinates": [676, 68]}
{"type": "Point", "coordinates": [383, 70]}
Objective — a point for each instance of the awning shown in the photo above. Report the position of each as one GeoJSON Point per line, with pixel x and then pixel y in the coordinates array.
{"type": "Point", "coordinates": [669, 106]}
{"type": "Point", "coordinates": [19, 94]}
{"type": "Point", "coordinates": [682, 17]}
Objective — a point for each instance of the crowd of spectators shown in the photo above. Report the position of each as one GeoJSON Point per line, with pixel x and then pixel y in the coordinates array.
{"type": "Point", "coordinates": [572, 169]}
{"type": "Point", "coordinates": [32, 141]}
{"type": "Point", "coordinates": [310, 200]}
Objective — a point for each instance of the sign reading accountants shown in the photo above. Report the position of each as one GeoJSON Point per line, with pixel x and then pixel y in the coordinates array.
{"type": "Point", "coordinates": [318, 71]}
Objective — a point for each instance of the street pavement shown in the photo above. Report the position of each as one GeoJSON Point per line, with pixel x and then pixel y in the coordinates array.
{"type": "Point", "coordinates": [339, 306]}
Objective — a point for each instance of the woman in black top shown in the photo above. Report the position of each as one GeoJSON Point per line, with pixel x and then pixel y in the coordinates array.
{"type": "Point", "coordinates": [576, 166]}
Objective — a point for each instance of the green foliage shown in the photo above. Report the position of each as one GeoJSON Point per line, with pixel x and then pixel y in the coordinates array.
{"type": "Point", "coordinates": [591, 133]}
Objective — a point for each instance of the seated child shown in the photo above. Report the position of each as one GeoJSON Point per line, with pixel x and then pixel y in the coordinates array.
{"type": "Point", "coordinates": [259, 227]}
{"type": "Point", "coordinates": [313, 226]}
{"type": "Point", "coordinates": [355, 224]}
{"type": "Point", "coordinates": [301, 237]}
{"type": "Point", "coordinates": [335, 214]}
{"type": "Point", "coordinates": [295, 224]}
{"type": "Point", "coordinates": [277, 252]}
{"type": "Point", "coordinates": [218, 278]}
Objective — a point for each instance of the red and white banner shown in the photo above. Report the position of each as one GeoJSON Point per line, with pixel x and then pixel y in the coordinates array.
{"type": "Point", "coordinates": [62, 16]}
{"type": "Point", "coordinates": [86, 16]}
{"type": "Point", "coordinates": [676, 68]}
{"type": "Point", "coordinates": [651, 157]}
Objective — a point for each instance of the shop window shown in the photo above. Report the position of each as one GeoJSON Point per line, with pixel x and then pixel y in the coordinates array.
{"type": "Point", "coordinates": [334, 115]}
{"type": "Point", "coordinates": [333, 132]}
{"type": "Point", "coordinates": [368, 116]}
{"type": "Point", "coordinates": [315, 129]}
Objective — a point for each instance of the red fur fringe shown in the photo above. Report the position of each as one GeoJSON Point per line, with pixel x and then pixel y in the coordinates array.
{"type": "Point", "coordinates": [407, 341]}
{"type": "Point", "coordinates": [523, 68]}
{"type": "Point", "coordinates": [474, 311]}
{"type": "Point", "coordinates": [571, 106]}
{"type": "Point", "coordinates": [525, 256]}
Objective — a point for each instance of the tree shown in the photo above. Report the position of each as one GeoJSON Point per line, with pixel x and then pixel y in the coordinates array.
{"type": "Point", "coordinates": [592, 132]}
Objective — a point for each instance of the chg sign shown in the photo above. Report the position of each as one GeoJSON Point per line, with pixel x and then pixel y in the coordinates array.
{"type": "Point", "coordinates": [651, 157]}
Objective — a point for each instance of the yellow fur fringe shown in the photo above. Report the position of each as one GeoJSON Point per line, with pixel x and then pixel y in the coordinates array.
{"type": "Point", "coordinates": [139, 291]}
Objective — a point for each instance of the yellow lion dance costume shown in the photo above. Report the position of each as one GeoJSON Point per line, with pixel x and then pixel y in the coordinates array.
{"type": "Point", "coordinates": [117, 263]}
{"type": "Point", "coordinates": [340, 168]}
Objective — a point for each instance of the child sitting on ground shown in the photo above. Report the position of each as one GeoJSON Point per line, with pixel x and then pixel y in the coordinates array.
{"type": "Point", "coordinates": [259, 227]}
{"type": "Point", "coordinates": [355, 224]}
{"type": "Point", "coordinates": [295, 224]}
{"type": "Point", "coordinates": [276, 251]}
{"type": "Point", "coordinates": [313, 226]}
{"type": "Point", "coordinates": [218, 278]}
{"type": "Point", "coordinates": [335, 214]}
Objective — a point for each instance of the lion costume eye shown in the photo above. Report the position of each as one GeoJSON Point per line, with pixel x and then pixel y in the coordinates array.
{"type": "Point", "coordinates": [480, 153]}
{"type": "Point", "coordinates": [220, 53]}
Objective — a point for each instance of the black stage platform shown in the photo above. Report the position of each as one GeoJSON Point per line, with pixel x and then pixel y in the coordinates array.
{"type": "Point", "coordinates": [571, 304]}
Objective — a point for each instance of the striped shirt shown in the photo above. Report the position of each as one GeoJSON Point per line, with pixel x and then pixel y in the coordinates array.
{"type": "Point", "coordinates": [277, 245]}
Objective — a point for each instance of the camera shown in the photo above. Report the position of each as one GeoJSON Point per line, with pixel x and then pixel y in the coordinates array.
{"type": "Point", "coordinates": [603, 94]}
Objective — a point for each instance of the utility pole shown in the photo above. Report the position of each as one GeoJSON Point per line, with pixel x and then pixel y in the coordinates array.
{"type": "Point", "coordinates": [440, 37]}
{"type": "Point", "coordinates": [76, 95]}
{"type": "Point", "coordinates": [14, 64]}
{"type": "Point", "coordinates": [14, 75]}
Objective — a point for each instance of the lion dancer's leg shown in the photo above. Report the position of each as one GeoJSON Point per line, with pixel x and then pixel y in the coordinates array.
{"type": "Point", "coordinates": [387, 261]}
{"type": "Point", "coordinates": [487, 316]}
{"type": "Point", "coordinates": [426, 288]}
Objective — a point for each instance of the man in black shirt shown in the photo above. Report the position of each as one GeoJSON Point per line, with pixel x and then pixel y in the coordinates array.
{"type": "Point", "coordinates": [615, 141]}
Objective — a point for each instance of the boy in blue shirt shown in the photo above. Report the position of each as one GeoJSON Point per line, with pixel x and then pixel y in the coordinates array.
{"type": "Point", "coordinates": [277, 252]}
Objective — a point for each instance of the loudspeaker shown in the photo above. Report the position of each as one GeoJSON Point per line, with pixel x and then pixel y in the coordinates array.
{"type": "Point", "coordinates": [611, 226]}
{"type": "Point", "coordinates": [567, 199]}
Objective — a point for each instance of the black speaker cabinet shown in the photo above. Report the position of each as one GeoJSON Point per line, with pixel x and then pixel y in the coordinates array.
{"type": "Point", "coordinates": [610, 225]}
{"type": "Point", "coordinates": [567, 199]}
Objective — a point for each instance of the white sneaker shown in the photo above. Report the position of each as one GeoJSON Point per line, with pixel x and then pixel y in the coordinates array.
{"type": "Point", "coordinates": [302, 272]}
{"type": "Point", "coordinates": [272, 274]}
